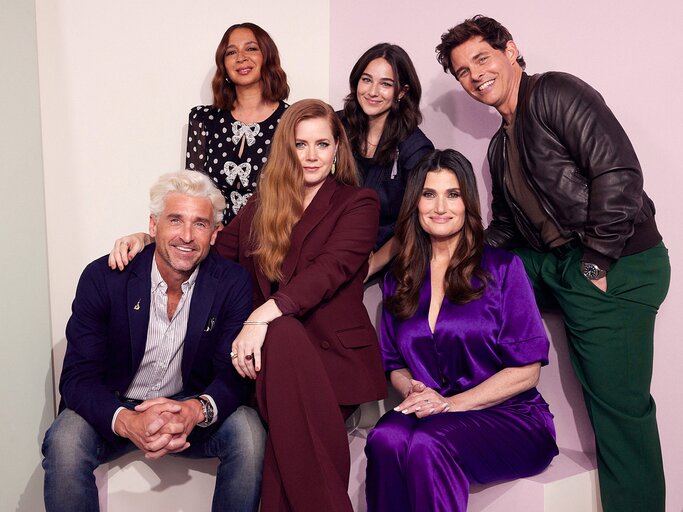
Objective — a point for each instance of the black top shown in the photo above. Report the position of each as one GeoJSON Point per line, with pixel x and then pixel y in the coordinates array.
{"type": "Point", "coordinates": [230, 152]}
{"type": "Point", "coordinates": [389, 180]}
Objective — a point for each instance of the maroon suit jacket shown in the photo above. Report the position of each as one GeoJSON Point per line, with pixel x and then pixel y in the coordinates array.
{"type": "Point", "coordinates": [323, 283]}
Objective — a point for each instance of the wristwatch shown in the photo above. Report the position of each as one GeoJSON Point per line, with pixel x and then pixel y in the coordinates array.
{"type": "Point", "coordinates": [208, 411]}
{"type": "Point", "coordinates": [591, 271]}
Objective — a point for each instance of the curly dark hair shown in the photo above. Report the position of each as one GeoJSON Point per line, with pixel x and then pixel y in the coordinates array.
{"type": "Point", "coordinates": [488, 29]}
{"type": "Point", "coordinates": [465, 279]}
{"type": "Point", "coordinates": [273, 78]}
{"type": "Point", "coordinates": [404, 116]}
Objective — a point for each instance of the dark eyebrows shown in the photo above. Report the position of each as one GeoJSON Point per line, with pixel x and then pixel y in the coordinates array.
{"type": "Point", "coordinates": [448, 191]}
{"type": "Point", "coordinates": [245, 44]}
{"type": "Point", "coordinates": [381, 79]}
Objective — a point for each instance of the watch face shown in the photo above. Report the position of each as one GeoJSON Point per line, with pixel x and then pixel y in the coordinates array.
{"type": "Point", "coordinates": [591, 271]}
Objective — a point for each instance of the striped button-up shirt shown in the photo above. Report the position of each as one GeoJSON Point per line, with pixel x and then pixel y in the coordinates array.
{"type": "Point", "coordinates": [159, 373]}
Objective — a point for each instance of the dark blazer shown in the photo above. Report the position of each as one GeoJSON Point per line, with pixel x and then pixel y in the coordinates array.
{"type": "Point", "coordinates": [323, 283]}
{"type": "Point", "coordinates": [107, 332]}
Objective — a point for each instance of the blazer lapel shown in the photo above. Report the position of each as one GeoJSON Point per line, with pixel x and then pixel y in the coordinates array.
{"type": "Point", "coordinates": [205, 288]}
{"type": "Point", "coordinates": [311, 218]}
{"type": "Point", "coordinates": [138, 299]}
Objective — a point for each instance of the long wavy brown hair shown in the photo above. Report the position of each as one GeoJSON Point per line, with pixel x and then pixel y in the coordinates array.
{"type": "Point", "coordinates": [273, 78]}
{"type": "Point", "coordinates": [465, 279]}
{"type": "Point", "coordinates": [280, 196]}
{"type": "Point", "coordinates": [404, 116]}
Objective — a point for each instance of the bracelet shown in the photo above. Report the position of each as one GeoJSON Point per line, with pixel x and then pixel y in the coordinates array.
{"type": "Point", "coordinates": [254, 322]}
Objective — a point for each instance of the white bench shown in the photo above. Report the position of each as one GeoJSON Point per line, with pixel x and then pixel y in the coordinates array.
{"type": "Point", "coordinates": [132, 484]}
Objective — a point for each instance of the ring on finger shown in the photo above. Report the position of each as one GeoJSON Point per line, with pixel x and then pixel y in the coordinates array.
{"type": "Point", "coordinates": [233, 354]}
{"type": "Point", "coordinates": [249, 357]}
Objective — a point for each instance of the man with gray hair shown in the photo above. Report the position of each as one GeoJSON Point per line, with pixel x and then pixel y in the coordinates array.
{"type": "Point", "coordinates": [148, 364]}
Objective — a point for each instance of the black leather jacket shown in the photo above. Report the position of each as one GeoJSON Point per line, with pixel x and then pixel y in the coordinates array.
{"type": "Point", "coordinates": [581, 165]}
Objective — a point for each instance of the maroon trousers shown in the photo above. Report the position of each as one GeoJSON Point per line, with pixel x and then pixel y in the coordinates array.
{"type": "Point", "coordinates": [306, 464]}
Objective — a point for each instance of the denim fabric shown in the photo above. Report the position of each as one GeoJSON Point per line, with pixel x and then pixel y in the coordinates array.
{"type": "Point", "coordinates": [72, 450]}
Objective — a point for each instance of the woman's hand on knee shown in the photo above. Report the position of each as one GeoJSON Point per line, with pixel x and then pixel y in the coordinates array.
{"type": "Point", "coordinates": [246, 350]}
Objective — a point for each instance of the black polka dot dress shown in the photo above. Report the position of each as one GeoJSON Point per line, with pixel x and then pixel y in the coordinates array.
{"type": "Point", "coordinates": [230, 152]}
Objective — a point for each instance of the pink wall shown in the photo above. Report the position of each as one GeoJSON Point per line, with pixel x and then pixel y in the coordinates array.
{"type": "Point", "coordinates": [630, 51]}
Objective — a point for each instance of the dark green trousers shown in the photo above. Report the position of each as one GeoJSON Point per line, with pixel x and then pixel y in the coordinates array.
{"type": "Point", "coordinates": [610, 338]}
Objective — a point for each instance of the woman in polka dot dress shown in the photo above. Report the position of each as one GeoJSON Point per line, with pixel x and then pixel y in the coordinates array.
{"type": "Point", "coordinates": [229, 140]}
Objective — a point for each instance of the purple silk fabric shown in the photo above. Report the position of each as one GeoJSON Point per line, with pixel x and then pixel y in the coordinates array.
{"type": "Point", "coordinates": [427, 464]}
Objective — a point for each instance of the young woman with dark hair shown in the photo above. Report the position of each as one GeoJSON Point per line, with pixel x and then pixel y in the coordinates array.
{"type": "Point", "coordinates": [381, 116]}
{"type": "Point", "coordinates": [463, 341]}
{"type": "Point", "coordinates": [229, 140]}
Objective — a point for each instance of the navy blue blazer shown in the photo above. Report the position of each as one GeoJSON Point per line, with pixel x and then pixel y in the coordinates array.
{"type": "Point", "coordinates": [107, 333]}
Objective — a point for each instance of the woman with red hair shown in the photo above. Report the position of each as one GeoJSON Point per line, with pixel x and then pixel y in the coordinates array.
{"type": "Point", "coordinates": [305, 237]}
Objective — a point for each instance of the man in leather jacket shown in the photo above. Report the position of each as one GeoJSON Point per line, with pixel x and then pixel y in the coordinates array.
{"type": "Point", "coordinates": [568, 199]}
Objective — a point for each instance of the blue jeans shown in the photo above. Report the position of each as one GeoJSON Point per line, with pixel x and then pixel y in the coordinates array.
{"type": "Point", "coordinates": [72, 450]}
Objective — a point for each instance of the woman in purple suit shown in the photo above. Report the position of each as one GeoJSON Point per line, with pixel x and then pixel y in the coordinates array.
{"type": "Point", "coordinates": [463, 342]}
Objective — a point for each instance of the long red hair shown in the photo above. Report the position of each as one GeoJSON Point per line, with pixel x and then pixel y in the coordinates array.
{"type": "Point", "coordinates": [280, 196]}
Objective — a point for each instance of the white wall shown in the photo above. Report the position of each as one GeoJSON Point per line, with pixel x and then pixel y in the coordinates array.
{"type": "Point", "coordinates": [629, 50]}
{"type": "Point", "coordinates": [25, 359]}
{"type": "Point", "coordinates": [117, 80]}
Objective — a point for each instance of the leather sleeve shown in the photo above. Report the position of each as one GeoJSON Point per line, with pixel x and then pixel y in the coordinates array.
{"type": "Point", "coordinates": [578, 116]}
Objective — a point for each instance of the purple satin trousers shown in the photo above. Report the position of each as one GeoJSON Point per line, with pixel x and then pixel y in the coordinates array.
{"type": "Point", "coordinates": [427, 465]}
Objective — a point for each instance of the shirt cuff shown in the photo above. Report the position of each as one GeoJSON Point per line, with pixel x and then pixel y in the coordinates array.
{"type": "Point", "coordinates": [113, 420]}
